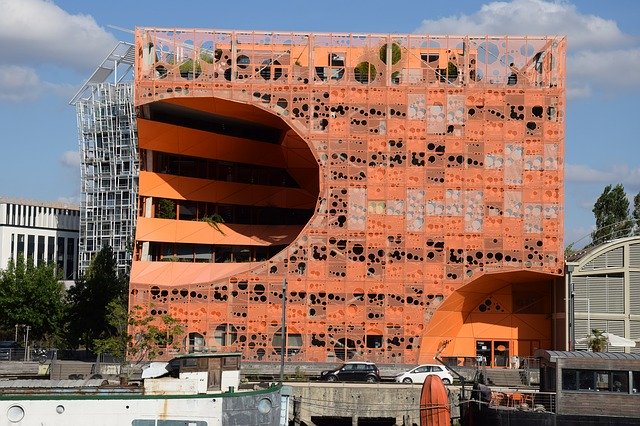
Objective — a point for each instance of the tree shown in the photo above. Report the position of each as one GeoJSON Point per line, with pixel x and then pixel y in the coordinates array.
{"type": "Point", "coordinates": [612, 215]}
{"type": "Point", "coordinates": [33, 296]}
{"type": "Point", "coordinates": [636, 214]}
{"type": "Point", "coordinates": [166, 209]}
{"type": "Point", "coordinates": [153, 334]}
{"type": "Point", "coordinates": [597, 341]}
{"type": "Point", "coordinates": [115, 340]}
{"type": "Point", "coordinates": [89, 297]}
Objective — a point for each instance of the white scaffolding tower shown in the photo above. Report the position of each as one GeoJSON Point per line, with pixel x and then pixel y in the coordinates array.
{"type": "Point", "coordinates": [108, 144]}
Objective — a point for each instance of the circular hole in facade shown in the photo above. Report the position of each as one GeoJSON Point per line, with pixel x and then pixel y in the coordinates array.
{"type": "Point", "coordinates": [242, 61]}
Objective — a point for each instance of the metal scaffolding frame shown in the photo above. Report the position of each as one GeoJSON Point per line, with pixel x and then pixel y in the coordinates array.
{"type": "Point", "coordinates": [107, 137]}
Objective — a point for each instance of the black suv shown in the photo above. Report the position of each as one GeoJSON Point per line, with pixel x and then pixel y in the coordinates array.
{"type": "Point", "coordinates": [353, 372]}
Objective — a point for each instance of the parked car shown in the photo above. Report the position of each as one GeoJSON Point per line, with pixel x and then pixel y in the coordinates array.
{"type": "Point", "coordinates": [353, 372]}
{"type": "Point", "coordinates": [8, 350]}
{"type": "Point", "coordinates": [420, 373]}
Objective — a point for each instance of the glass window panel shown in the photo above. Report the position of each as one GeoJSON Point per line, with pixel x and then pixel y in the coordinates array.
{"type": "Point", "coordinates": [569, 380]}
{"type": "Point", "coordinates": [620, 381]}
{"type": "Point", "coordinates": [586, 380]}
{"type": "Point", "coordinates": [30, 246]}
{"type": "Point", "coordinates": [602, 381]}
{"type": "Point", "coordinates": [41, 240]}
{"type": "Point", "coordinates": [635, 381]}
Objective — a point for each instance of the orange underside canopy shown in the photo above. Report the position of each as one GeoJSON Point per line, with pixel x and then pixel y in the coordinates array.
{"type": "Point", "coordinates": [510, 308]}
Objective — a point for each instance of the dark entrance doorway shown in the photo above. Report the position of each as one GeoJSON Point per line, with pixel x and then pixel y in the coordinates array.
{"type": "Point", "coordinates": [493, 353]}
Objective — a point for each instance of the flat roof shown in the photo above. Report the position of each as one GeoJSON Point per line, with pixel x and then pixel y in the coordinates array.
{"type": "Point", "coordinates": [38, 203]}
{"type": "Point", "coordinates": [553, 356]}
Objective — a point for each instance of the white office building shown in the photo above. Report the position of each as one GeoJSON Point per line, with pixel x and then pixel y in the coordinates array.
{"type": "Point", "coordinates": [44, 231]}
{"type": "Point", "coordinates": [603, 284]}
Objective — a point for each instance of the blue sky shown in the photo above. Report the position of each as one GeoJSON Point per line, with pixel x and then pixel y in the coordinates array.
{"type": "Point", "coordinates": [49, 48]}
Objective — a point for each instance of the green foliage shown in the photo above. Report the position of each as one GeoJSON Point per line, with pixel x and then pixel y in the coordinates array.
{"type": "Point", "coordinates": [189, 67]}
{"type": "Point", "coordinates": [635, 214]}
{"type": "Point", "coordinates": [154, 334]}
{"type": "Point", "coordinates": [116, 339]}
{"type": "Point", "coordinates": [611, 211]}
{"type": "Point", "coordinates": [166, 209]}
{"type": "Point", "coordinates": [214, 221]}
{"type": "Point", "coordinates": [452, 70]}
{"type": "Point", "coordinates": [32, 296]}
{"type": "Point", "coordinates": [365, 72]}
{"type": "Point", "coordinates": [89, 297]}
{"type": "Point", "coordinates": [596, 341]}
{"type": "Point", "coordinates": [568, 250]}
{"type": "Point", "coordinates": [206, 57]}
{"type": "Point", "coordinates": [396, 53]}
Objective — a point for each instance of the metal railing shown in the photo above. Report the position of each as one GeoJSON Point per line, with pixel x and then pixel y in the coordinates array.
{"type": "Point", "coordinates": [31, 355]}
{"type": "Point", "coordinates": [524, 400]}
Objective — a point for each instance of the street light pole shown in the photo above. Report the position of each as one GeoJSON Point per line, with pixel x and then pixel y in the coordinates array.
{"type": "Point", "coordinates": [26, 344]}
{"type": "Point", "coordinates": [571, 309]}
{"type": "Point", "coordinates": [284, 327]}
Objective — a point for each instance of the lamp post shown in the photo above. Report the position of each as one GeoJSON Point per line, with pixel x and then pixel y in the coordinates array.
{"type": "Point", "coordinates": [26, 343]}
{"type": "Point", "coordinates": [571, 309]}
{"type": "Point", "coordinates": [283, 329]}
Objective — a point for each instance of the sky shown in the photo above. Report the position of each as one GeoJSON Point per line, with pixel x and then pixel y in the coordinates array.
{"type": "Point", "coordinates": [49, 48]}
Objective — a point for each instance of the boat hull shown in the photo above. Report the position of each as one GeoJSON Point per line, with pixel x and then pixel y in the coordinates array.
{"type": "Point", "coordinates": [142, 410]}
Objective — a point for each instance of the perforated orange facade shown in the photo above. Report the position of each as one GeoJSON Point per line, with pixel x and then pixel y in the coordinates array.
{"type": "Point", "coordinates": [409, 188]}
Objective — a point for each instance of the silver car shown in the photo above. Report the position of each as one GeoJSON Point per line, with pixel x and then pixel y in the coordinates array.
{"type": "Point", "coordinates": [420, 373]}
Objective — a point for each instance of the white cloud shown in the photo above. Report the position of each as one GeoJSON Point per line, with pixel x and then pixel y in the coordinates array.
{"type": "Point", "coordinates": [575, 91]}
{"type": "Point", "coordinates": [33, 32]}
{"type": "Point", "coordinates": [18, 83]}
{"type": "Point", "coordinates": [581, 173]}
{"type": "Point", "coordinates": [618, 68]}
{"type": "Point", "coordinates": [594, 42]}
{"type": "Point", "coordinates": [36, 34]}
{"type": "Point", "coordinates": [532, 17]}
{"type": "Point", "coordinates": [65, 91]}
{"type": "Point", "coordinates": [71, 159]}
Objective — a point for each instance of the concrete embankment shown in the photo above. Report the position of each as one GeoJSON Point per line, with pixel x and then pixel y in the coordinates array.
{"type": "Point", "coordinates": [319, 403]}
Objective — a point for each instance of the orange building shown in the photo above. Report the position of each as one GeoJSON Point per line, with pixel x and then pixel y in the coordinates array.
{"type": "Point", "coordinates": [408, 188]}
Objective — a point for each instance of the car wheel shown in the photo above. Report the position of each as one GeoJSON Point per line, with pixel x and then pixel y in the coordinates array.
{"type": "Point", "coordinates": [446, 381]}
{"type": "Point", "coordinates": [332, 378]}
{"type": "Point", "coordinates": [407, 380]}
{"type": "Point", "coordinates": [371, 379]}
